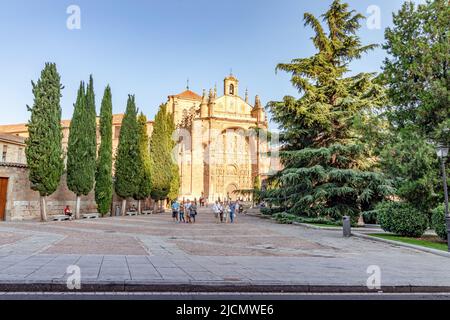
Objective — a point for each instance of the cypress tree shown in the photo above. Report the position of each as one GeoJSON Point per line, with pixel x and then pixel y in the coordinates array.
{"type": "Point", "coordinates": [145, 183]}
{"type": "Point", "coordinates": [127, 159]}
{"type": "Point", "coordinates": [104, 181]}
{"type": "Point", "coordinates": [326, 167]}
{"type": "Point", "coordinates": [43, 145]}
{"type": "Point", "coordinates": [175, 183]}
{"type": "Point", "coordinates": [82, 147]}
{"type": "Point", "coordinates": [161, 155]}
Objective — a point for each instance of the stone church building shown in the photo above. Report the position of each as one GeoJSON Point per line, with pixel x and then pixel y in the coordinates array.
{"type": "Point", "coordinates": [218, 152]}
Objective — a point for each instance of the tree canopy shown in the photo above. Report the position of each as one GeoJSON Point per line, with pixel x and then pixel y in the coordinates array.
{"type": "Point", "coordinates": [145, 184]}
{"type": "Point", "coordinates": [82, 146]}
{"type": "Point", "coordinates": [326, 167]}
{"type": "Point", "coordinates": [417, 69]}
{"type": "Point", "coordinates": [104, 181]}
{"type": "Point", "coordinates": [43, 146]}
{"type": "Point", "coordinates": [161, 146]}
{"type": "Point", "coordinates": [127, 159]}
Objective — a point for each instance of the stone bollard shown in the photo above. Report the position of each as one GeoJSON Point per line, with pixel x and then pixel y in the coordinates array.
{"type": "Point", "coordinates": [346, 226]}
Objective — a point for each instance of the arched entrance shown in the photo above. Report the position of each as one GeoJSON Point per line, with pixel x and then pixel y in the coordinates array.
{"type": "Point", "coordinates": [231, 194]}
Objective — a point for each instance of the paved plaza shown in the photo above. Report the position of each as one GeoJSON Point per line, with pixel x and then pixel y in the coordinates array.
{"type": "Point", "coordinates": [254, 251]}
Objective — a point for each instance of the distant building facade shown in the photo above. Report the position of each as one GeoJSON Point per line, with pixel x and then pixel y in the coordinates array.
{"type": "Point", "coordinates": [218, 152]}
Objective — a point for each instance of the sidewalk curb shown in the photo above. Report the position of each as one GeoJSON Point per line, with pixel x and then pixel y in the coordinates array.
{"type": "Point", "coordinates": [310, 226]}
{"type": "Point", "coordinates": [368, 237]}
{"type": "Point", "coordinates": [401, 244]}
{"type": "Point", "coordinates": [209, 287]}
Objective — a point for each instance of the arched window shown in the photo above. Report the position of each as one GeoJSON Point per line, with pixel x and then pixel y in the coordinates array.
{"type": "Point", "coordinates": [232, 89]}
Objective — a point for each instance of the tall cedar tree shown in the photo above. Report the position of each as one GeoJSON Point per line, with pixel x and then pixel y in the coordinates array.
{"type": "Point", "coordinates": [103, 179]}
{"type": "Point", "coordinates": [43, 145]}
{"type": "Point", "coordinates": [145, 184]}
{"type": "Point", "coordinates": [161, 146]}
{"type": "Point", "coordinates": [127, 159]}
{"type": "Point", "coordinates": [417, 69]}
{"type": "Point", "coordinates": [325, 168]}
{"type": "Point", "coordinates": [82, 146]}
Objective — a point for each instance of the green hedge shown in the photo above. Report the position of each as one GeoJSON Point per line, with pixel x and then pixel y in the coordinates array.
{"type": "Point", "coordinates": [438, 222]}
{"type": "Point", "coordinates": [271, 211]}
{"type": "Point", "coordinates": [288, 218]}
{"type": "Point", "coordinates": [402, 219]}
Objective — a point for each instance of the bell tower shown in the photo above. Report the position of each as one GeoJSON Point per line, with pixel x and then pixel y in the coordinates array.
{"type": "Point", "coordinates": [231, 86]}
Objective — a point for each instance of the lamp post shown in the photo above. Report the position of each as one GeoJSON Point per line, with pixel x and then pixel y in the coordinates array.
{"type": "Point", "coordinates": [442, 153]}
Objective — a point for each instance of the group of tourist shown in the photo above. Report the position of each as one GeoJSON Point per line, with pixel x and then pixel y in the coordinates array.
{"type": "Point", "coordinates": [184, 212]}
{"type": "Point", "coordinates": [225, 212]}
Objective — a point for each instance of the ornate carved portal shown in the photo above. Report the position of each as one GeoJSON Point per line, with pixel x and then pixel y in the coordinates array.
{"type": "Point", "coordinates": [233, 163]}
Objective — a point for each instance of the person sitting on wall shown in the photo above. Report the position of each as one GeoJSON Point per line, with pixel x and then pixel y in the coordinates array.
{"type": "Point", "coordinates": [133, 208]}
{"type": "Point", "coordinates": [67, 211]}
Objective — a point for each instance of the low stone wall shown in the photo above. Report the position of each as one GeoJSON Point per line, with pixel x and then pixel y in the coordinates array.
{"type": "Point", "coordinates": [23, 203]}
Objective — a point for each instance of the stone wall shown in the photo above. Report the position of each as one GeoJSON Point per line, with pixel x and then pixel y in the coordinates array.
{"type": "Point", "coordinates": [23, 203]}
{"type": "Point", "coordinates": [14, 153]}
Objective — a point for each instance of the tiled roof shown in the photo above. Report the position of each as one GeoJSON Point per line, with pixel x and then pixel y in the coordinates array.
{"type": "Point", "coordinates": [117, 119]}
{"type": "Point", "coordinates": [22, 128]}
{"type": "Point", "coordinates": [12, 138]}
{"type": "Point", "coordinates": [14, 128]}
{"type": "Point", "coordinates": [188, 95]}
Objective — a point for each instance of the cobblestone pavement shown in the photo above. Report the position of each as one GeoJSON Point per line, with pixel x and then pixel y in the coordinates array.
{"type": "Point", "coordinates": [252, 251]}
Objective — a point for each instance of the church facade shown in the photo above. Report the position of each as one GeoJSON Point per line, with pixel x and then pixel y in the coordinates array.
{"type": "Point", "coordinates": [219, 150]}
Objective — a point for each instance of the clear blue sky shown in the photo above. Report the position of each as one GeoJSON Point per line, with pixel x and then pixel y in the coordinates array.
{"type": "Point", "coordinates": [149, 48]}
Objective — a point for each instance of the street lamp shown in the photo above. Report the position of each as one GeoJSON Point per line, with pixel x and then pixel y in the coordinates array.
{"type": "Point", "coordinates": [442, 153]}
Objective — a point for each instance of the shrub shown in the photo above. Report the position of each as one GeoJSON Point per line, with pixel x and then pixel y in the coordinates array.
{"type": "Point", "coordinates": [438, 222]}
{"type": "Point", "coordinates": [271, 211]}
{"type": "Point", "coordinates": [370, 216]}
{"type": "Point", "coordinates": [401, 218]}
{"type": "Point", "coordinates": [289, 218]}
{"type": "Point", "coordinates": [284, 217]}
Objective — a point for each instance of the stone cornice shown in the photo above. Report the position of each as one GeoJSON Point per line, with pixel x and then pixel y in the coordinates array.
{"type": "Point", "coordinates": [12, 164]}
{"type": "Point", "coordinates": [232, 120]}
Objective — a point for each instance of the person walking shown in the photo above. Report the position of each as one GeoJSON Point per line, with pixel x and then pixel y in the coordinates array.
{"type": "Point", "coordinates": [175, 210]}
{"type": "Point", "coordinates": [233, 211]}
{"type": "Point", "coordinates": [187, 207]}
{"type": "Point", "coordinates": [193, 211]}
{"type": "Point", "coordinates": [239, 208]}
{"type": "Point", "coordinates": [226, 212]}
{"type": "Point", "coordinates": [221, 208]}
{"type": "Point", "coordinates": [181, 213]}
{"type": "Point", "coordinates": [216, 210]}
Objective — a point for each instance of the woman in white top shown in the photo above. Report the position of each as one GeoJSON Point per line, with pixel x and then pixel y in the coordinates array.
{"type": "Point", "coordinates": [216, 209]}
{"type": "Point", "coordinates": [226, 212]}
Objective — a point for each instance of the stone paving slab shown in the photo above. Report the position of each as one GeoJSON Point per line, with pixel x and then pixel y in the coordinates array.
{"type": "Point", "coordinates": [254, 253]}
